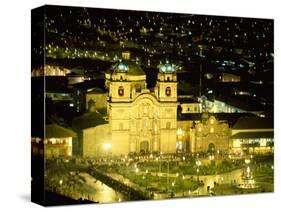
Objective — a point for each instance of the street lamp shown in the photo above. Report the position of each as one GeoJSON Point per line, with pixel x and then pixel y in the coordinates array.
{"type": "Point", "coordinates": [60, 182]}
{"type": "Point", "coordinates": [247, 161]}
{"type": "Point", "coordinates": [173, 185]}
{"type": "Point", "coordinates": [146, 176]}
{"type": "Point", "coordinates": [107, 147]}
{"type": "Point", "coordinates": [136, 171]}
{"type": "Point", "coordinates": [198, 164]}
{"type": "Point", "coordinates": [183, 185]}
{"type": "Point", "coordinates": [197, 171]}
{"type": "Point", "coordinates": [168, 173]}
{"type": "Point", "coordinates": [211, 157]}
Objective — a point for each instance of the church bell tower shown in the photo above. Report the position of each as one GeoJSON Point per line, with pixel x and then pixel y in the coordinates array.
{"type": "Point", "coordinates": [166, 86]}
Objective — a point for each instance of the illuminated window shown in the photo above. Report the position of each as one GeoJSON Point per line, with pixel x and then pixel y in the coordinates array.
{"type": "Point", "coordinates": [199, 129]}
{"type": "Point", "coordinates": [211, 130]}
{"type": "Point", "coordinates": [121, 91]}
{"type": "Point", "coordinates": [212, 121]}
{"type": "Point", "coordinates": [168, 91]}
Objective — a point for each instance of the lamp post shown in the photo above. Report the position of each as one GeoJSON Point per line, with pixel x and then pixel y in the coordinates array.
{"type": "Point", "coordinates": [146, 176]}
{"type": "Point", "coordinates": [197, 171]}
{"type": "Point", "coordinates": [198, 164]}
{"type": "Point", "coordinates": [172, 190]}
{"type": "Point", "coordinates": [107, 147]}
{"type": "Point", "coordinates": [60, 183]}
{"type": "Point", "coordinates": [183, 185]}
{"type": "Point", "coordinates": [136, 171]}
{"type": "Point", "coordinates": [168, 170]}
{"type": "Point", "coordinates": [168, 174]}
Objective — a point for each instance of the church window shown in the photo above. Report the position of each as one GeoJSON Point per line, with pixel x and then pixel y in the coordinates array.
{"type": "Point", "coordinates": [121, 91]}
{"type": "Point", "coordinates": [168, 125]}
{"type": "Point", "coordinates": [168, 91]}
{"type": "Point", "coordinates": [145, 109]}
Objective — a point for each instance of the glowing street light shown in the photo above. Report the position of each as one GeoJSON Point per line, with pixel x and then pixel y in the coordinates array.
{"type": "Point", "coordinates": [247, 161]}
{"type": "Point", "coordinates": [146, 172]}
{"type": "Point", "coordinates": [136, 171]}
{"type": "Point", "coordinates": [198, 163]}
{"type": "Point", "coordinates": [211, 157]}
{"type": "Point", "coordinates": [107, 146]}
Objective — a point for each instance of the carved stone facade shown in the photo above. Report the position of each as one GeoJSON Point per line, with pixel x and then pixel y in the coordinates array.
{"type": "Point", "coordinates": [141, 121]}
{"type": "Point", "coordinates": [210, 135]}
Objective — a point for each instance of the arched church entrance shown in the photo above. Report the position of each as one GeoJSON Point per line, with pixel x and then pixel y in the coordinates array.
{"type": "Point", "coordinates": [211, 147]}
{"type": "Point", "coordinates": [144, 147]}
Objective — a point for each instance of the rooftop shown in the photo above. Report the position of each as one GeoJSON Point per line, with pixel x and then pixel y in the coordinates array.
{"type": "Point", "coordinates": [57, 131]}
{"type": "Point", "coordinates": [231, 118]}
{"type": "Point", "coordinates": [248, 135]}
{"type": "Point", "coordinates": [254, 123]}
{"type": "Point", "coordinates": [88, 120]}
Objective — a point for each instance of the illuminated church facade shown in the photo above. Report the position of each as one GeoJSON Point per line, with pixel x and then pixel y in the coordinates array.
{"type": "Point", "coordinates": [141, 120]}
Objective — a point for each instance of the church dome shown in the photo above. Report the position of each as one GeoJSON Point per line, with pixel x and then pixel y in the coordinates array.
{"type": "Point", "coordinates": [167, 68]}
{"type": "Point", "coordinates": [127, 67]}
{"type": "Point", "coordinates": [205, 116]}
